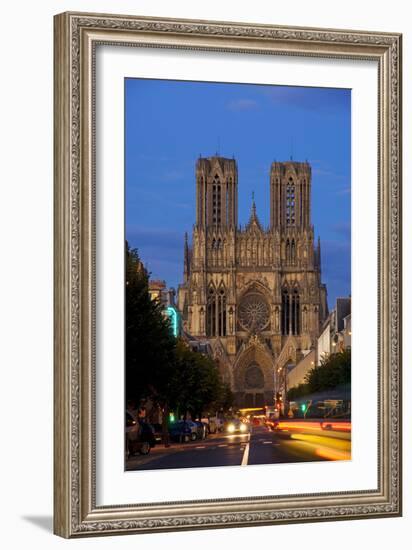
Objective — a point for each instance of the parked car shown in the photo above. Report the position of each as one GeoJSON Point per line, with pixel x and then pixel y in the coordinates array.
{"type": "Point", "coordinates": [220, 423]}
{"type": "Point", "coordinates": [210, 424]}
{"type": "Point", "coordinates": [139, 436]}
{"type": "Point", "coordinates": [193, 429]}
{"type": "Point", "coordinates": [183, 430]}
{"type": "Point", "coordinates": [202, 430]}
{"type": "Point", "coordinates": [158, 432]}
{"type": "Point", "coordinates": [213, 424]}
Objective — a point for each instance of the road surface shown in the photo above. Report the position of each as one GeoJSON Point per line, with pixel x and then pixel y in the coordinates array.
{"type": "Point", "coordinates": [295, 443]}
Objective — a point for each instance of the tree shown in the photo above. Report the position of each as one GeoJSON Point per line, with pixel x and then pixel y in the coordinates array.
{"type": "Point", "coordinates": [158, 366]}
{"type": "Point", "coordinates": [333, 372]}
{"type": "Point", "coordinates": [225, 401]}
{"type": "Point", "coordinates": [298, 391]}
{"type": "Point", "coordinates": [195, 383]}
{"type": "Point", "coordinates": [149, 342]}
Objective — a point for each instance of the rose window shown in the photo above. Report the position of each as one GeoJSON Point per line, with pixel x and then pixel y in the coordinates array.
{"type": "Point", "coordinates": [253, 313]}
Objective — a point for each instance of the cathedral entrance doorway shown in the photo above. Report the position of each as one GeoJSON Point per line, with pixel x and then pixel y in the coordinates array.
{"type": "Point", "coordinates": [253, 376]}
{"type": "Point", "coordinates": [253, 400]}
{"type": "Point", "coordinates": [254, 386]}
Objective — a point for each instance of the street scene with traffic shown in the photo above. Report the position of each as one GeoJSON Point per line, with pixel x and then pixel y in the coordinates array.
{"type": "Point", "coordinates": [259, 439]}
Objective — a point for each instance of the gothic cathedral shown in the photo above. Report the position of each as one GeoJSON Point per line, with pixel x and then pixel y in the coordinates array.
{"type": "Point", "coordinates": [254, 293]}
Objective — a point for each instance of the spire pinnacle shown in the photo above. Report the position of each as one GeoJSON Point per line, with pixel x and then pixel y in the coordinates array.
{"type": "Point", "coordinates": [253, 220]}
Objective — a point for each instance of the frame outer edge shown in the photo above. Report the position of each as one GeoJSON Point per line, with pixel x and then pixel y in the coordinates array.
{"type": "Point", "coordinates": [62, 239]}
{"type": "Point", "coordinates": [398, 102]}
{"type": "Point", "coordinates": [87, 278]}
{"type": "Point", "coordinates": [73, 516]}
{"type": "Point", "coordinates": [400, 304]}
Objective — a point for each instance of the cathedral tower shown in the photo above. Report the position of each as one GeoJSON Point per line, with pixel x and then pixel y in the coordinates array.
{"type": "Point", "coordinates": [290, 195]}
{"type": "Point", "coordinates": [216, 197]}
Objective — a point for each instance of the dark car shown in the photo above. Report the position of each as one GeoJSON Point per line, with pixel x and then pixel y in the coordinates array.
{"type": "Point", "coordinates": [158, 432]}
{"type": "Point", "coordinates": [183, 430]}
{"type": "Point", "coordinates": [140, 437]}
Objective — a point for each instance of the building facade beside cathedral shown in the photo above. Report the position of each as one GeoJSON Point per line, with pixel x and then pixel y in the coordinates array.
{"type": "Point", "coordinates": [254, 293]}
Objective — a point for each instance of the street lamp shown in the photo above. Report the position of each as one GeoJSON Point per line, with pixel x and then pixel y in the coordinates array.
{"type": "Point", "coordinates": [281, 375]}
{"type": "Point", "coordinates": [277, 397]}
{"type": "Point", "coordinates": [286, 402]}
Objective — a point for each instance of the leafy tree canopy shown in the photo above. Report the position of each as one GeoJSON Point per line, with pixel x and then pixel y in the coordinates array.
{"type": "Point", "coordinates": [195, 383]}
{"type": "Point", "coordinates": [149, 342]}
{"type": "Point", "coordinates": [333, 372]}
{"type": "Point", "coordinates": [157, 365]}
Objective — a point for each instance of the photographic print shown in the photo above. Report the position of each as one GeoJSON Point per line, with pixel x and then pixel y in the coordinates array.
{"type": "Point", "coordinates": [237, 274]}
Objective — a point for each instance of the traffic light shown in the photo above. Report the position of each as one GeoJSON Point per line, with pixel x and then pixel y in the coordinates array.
{"type": "Point", "coordinates": [303, 407]}
{"type": "Point", "coordinates": [171, 417]}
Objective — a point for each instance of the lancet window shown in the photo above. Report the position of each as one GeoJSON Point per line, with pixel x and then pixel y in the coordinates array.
{"type": "Point", "coordinates": [216, 312]}
{"type": "Point", "coordinates": [217, 200]}
{"type": "Point", "coordinates": [290, 203]}
{"type": "Point", "coordinates": [290, 312]}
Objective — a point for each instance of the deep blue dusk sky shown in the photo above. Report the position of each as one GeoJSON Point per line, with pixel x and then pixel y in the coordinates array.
{"type": "Point", "coordinates": [170, 123]}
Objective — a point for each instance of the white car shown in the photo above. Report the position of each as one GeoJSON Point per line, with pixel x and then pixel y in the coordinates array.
{"type": "Point", "coordinates": [139, 436]}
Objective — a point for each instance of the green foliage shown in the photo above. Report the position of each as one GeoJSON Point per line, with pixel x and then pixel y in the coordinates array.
{"type": "Point", "coordinates": [158, 366]}
{"type": "Point", "coordinates": [298, 391]}
{"type": "Point", "coordinates": [195, 382]}
{"type": "Point", "coordinates": [149, 343]}
{"type": "Point", "coordinates": [224, 401]}
{"type": "Point", "coordinates": [333, 372]}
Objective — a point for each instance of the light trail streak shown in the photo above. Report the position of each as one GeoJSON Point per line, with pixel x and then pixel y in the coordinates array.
{"type": "Point", "coordinates": [325, 447]}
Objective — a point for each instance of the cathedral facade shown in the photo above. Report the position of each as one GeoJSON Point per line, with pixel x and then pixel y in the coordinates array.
{"type": "Point", "coordinates": [254, 293]}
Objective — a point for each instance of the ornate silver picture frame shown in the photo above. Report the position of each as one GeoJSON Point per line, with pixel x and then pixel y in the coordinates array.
{"type": "Point", "coordinates": [76, 509]}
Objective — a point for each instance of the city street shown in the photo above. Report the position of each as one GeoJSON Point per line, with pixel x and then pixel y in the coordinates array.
{"type": "Point", "coordinates": [296, 442]}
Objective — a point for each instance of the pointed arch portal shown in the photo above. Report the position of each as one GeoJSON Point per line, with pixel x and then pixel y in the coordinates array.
{"type": "Point", "coordinates": [254, 378]}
